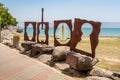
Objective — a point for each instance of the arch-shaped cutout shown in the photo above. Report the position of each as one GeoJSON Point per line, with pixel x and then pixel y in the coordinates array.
{"type": "Point", "coordinates": [26, 37]}
{"type": "Point", "coordinates": [56, 23]}
{"type": "Point", "coordinates": [63, 33]}
{"type": "Point", "coordinates": [86, 29]}
{"type": "Point", "coordinates": [30, 31]}
{"type": "Point", "coordinates": [77, 33]}
{"type": "Point", "coordinates": [42, 36]}
{"type": "Point", "coordinates": [84, 44]}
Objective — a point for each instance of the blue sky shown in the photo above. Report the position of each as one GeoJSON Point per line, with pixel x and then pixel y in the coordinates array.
{"type": "Point", "coordinates": [96, 10]}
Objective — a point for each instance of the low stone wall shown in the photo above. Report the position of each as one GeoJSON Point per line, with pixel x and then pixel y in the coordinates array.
{"type": "Point", "coordinates": [6, 35]}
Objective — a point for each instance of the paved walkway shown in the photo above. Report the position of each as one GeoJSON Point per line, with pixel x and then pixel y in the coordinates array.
{"type": "Point", "coordinates": [15, 66]}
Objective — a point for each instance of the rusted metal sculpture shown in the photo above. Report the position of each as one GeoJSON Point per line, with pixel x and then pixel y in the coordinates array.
{"type": "Point", "coordinates": [34, 24]}
{"type": "Point", "coordinates": [77, 33]}
{"type": "Point", "coordinates": [56, 23]}
{"type": "Point", "coordinates": [46, 29]}
{"type": "Point", "coordinates": [46, 32]}
{"type": "Point", "coordinates": [26, 38]}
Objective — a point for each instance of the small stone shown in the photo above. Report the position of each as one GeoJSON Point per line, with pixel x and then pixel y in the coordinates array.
{"type": "Point", "coordinates": [73, 72]}
{"type": "Point", "coordinates": [104, 73]}
{"type": "Point", "coordinates": [96, 78]}
{"type": "Point", "coordinates": [44, 58]}
{"type": "Point", "coordinates": [100, 72]}
{"type": "Point", "coordinates": [61, 65]}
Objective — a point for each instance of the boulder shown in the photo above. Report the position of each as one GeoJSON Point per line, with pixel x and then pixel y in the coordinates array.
{"type": "Point", "coordinates": [26, 52]}
{"type": "Point", "coordinates": [39, 49]}
{"type": "Point", "coordinates": [44, 58]}
{"type": "Point", "coordinates": [27, 45]}
{"type": "Point", "coordinates": [6, 35]}
{"type": "Point", "coordinates": [104, 73]}
{"type": "Point", "coordinates": [61, 65]}
{"type": "Point", "coordinates": [80, 62]}
{"type": "Point", "coordinates": [60, 53]}
{"type": "Point", "coordinates": [74, 73]}
{"type": "Point", "coordinates": [8, 43]}
{"type": "Point", "coordinates": [96, 78]}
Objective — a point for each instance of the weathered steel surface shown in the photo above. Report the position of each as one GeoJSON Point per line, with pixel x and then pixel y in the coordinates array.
{"type": "Point", "coordinates": [36, 28]}
{"type": "Point", "coordinates": [56, 23]}
{"type": "Point", "coordinates": [46, 32]}
{"type": "Point", "coordinates": [26, 38]}
{"type": "Point", "coordinates": [77, 33]}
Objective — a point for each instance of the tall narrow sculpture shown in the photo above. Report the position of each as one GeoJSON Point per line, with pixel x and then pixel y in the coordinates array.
{"type": "Point", "coordinates": [42, 16]}
{"type": "Point", "coordinates": [46, 29]}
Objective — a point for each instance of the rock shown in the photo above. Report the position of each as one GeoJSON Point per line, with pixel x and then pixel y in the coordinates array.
{"type": "Point", "coordinates": [116, 76]}
{"type": "Point", "coordinates": [6, 35]}
{"type": "Point", "coordinates": [46, 49]}
{"type": "Point", "coordinates": [50, 63]}
{"type": "Point", "coordinates": [99, 72]}
{"type": "Point", "coordinates": [27, 45]}
{"type": "Point", "coordinates": [60, 53]}
{"type": "Point", "coordinates": [44, 58]}
{"type": "Point", "coordinates": [80, 62]}
{"type": "Point", "coordinates": [96, 78]}
{"type": "Point", "coordinates": [8, 43]}
{"type": "Point", "coordinates": [104, 73]}
{"type": "Point", "coordinates": [61, 65]}
{"type": "Point", "coordinates": [39, 49]}
{"type": "Point", "coordinates": [20, 48]}
{"type": "Point", "coordinates": [74, 73]}
{"type": "Point", "coordinates": [26, 52]}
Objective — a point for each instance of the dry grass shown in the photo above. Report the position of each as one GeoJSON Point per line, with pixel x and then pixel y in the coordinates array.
{"type": "Point", "coordinates": [108, 51]}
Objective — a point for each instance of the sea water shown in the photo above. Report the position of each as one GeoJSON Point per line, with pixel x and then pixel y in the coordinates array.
{"type": "Point", "coordinates": [106, 30]}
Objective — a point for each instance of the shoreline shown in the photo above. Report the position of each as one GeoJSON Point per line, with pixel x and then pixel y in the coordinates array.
{"type": "Point", "coordinates": [83, 37]}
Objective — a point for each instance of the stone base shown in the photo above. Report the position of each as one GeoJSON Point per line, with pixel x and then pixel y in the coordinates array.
{"type": "Point", "coordinates": [39, 49]}
{"type": "Point", "coordinates": [59, 53]}
{"type": "Point", "coordinates": [27, 45]}
{"type": "Point", "coordinates": [80, 62]}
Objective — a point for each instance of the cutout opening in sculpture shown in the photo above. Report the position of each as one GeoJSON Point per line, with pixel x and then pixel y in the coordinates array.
{"type": "Point", "coordinates": [30, 31]}
{"type": "Point", "coordinates": [41, 34]}
{"type": "Point", "coordinates": [45, 30]}
{"type": "Point", "coordinates": [63, 33]}
{"type": "Point", "coordinates": [86, 30]}
{"type": "Point", "coordinates": [77, 34]}
{"type": "Point", "coordinates": [26, 36]}
{"type": "Point", "coordinates": [56, 23]}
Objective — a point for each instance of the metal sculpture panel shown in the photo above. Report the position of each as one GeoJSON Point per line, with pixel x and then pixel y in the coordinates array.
{"type": "Point", "coordinates": [26, 38]}
{"type": "Point", "coordinates": [77, 33]}
{"type": "Point", "coordinates": [56, 23]}
{"type": "Point", "coordinates": [46, 32]}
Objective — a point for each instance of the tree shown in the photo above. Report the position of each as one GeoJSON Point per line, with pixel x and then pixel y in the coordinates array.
{"type": "Point", "coordinates": [6, 19]}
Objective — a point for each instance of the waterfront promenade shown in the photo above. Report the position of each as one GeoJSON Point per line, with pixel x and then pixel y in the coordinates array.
{"type": "Point", "coordinates": [16, 66]}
